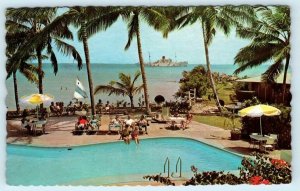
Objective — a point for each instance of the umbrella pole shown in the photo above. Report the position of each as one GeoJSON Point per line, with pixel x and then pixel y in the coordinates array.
{"type": "Point", "coordinates": [260, 126]}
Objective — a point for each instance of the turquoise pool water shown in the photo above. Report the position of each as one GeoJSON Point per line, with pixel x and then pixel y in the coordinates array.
{"type": "Point", "coordinates": [51, 166]}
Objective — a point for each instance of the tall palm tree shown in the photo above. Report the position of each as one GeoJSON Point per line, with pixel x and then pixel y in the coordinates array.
{"type": "Point", "coordinates": [125, 86]}
{"type": "Point", "coordinates": [79, 17]}
{"type": "Point", "coordinates": [211, 19]}
{"type": "Point", "coordinates": [15, 36]}
{"type": "Point", "coordinates": [270, 36]}
{"type": "Point", "coordinates": [33, 21]}
{"type": "Point", "coordinates": [153, 16]}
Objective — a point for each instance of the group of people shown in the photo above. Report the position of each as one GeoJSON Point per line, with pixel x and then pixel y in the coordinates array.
{"type": "Point", "coordinates": [184, 123]}
{"type": "Point", "coordinates": [130, 128]}
{"type": "Point", "coordinates": [83, 123]}
{"type": "Point", "coordinates": [57, 108]}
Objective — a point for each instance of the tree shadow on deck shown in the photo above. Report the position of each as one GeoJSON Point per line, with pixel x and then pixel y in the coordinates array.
{"type": "Point", "coordinates": [240, 150]}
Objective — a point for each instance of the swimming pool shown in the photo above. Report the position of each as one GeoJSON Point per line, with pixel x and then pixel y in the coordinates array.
{"type": "Point", "coordinates": [107, 162]}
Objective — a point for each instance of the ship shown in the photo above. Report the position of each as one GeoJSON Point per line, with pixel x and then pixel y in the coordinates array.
{"type": "Point", "coordinates": [165, 62]}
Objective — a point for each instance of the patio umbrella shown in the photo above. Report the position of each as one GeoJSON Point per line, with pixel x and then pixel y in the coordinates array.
{"type": "Point", "coordinates": [258, 111]}
{"type": "Point", "coordinates": [36, 99]}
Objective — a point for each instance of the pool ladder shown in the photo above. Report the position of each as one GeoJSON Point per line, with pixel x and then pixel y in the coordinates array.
{"type": "Point", "coordinates": [179, 162]}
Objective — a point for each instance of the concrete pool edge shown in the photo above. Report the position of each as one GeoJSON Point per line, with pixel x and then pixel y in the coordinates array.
{"type": "Point", "coordinates": [201, 140]}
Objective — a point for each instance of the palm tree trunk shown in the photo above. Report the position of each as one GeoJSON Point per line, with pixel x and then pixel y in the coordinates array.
{"type": "Point", "coordinates": [16, 92]}
{"type": "Point", "coordinates": [139, 46]}
{"type": "Point", "coordinates": [284, 77]}
{"type": "Point", "coordinates": [40, 74]}
{"type": "Point", "coordinates": [212, 83]}
{"type": "Point", "coordinates": [131, 101]}
{"type": "Point", "coordinates": [88, 65]}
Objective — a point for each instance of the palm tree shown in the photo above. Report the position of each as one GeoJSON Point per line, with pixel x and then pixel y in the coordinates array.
{"type": "Point", "coordinates": [33, 21]}
{"type": "Point", "coordinates": [154, 16]}
{"type": "Point", "coordinates": [270, 37]}
{"type": "Point", "coordinates": [125, 86]}
{"type": "Point", "coordinates": [79, 17]}
{"type": "Point", "coordinates": [212, 18]}
{"type": "Point", "coordinates": [15, 36]}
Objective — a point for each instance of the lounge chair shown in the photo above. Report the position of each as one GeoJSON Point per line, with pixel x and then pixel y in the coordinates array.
{"type": "Point", "coordinates": [269, 145]}
{"type": "Point", "coordinates": [254, 143]}
{"type": "Point", "coordinates": [114, 128]}
{"type": "Point", "coordinates": [94, 125]}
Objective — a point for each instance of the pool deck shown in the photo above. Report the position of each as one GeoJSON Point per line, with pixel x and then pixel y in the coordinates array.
{"type": "Point", "coordinates": [58, 134]}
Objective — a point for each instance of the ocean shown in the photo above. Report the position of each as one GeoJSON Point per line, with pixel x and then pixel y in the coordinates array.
{"type": "Point", "coordinates": [161, 80]}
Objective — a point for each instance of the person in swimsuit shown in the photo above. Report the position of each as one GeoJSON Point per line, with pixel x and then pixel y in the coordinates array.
{"type": "Point", "coordinates": [125, 134]}
{"type": "Point", "coordinates": [135, 135]}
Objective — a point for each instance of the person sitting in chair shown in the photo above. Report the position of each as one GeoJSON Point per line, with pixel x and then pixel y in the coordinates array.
{"type": "Point", "coordinates": [115, 123]}
{"type": "Point", "coordinates": [125, 134]}
{"type": "Point", "coordinates": [129, 121]}
{"type": "Point", "coordinates": [25, 120]}
{"type": "Point", "coordinates": [142, 123]}
{"type": "Point", "coordinates": [53, 109]}
{"type": "Point", "coordinates": [189, 118]}
{"type": "Point", "coordinates": [82, 123]}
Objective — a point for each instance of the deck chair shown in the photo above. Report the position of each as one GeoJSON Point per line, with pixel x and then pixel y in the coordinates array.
{"type": "Point", "coordinates": [94, 124]}
{"type": "Point", "coordinates": [39, 127]}
{"type": "Point", "coordinates": [269, 145]}
{"type": "Point", "coordinates": [114, 128]}
{"type": "Point", "coordinates": [254, 143]}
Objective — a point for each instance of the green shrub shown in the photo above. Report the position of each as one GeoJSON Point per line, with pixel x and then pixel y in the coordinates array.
{"type": "Point", "coordinates": [254, 170]}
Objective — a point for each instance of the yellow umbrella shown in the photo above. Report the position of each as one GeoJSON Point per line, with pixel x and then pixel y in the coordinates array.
{"type": "Point", "coordinates": [258, 111]}
{"type": "Point", "coordinates": [36, 99]}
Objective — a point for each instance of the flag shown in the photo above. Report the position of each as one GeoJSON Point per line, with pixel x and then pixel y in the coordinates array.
{"type": "Point", "coordinates": [79, 91]}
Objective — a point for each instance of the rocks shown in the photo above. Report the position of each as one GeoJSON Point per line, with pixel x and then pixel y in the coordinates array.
{"type": "Point", "coordinates": [202, 108]}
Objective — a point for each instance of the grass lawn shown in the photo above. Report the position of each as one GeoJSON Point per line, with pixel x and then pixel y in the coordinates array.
{"type": "Point", "coordinates": [218, 121]}
{"type": "Point", "coordinates": [224, 90]}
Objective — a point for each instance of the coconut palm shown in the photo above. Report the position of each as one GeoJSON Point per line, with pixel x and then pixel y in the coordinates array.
{"type": "Point", "coordinates": [79, 17]}
{"type": "Point", "coordinates": [15, 36]}
{"type": "Point", "coordinates": [154, 16]}
{"type": "Point", "coordinates": [270, 42]}
{"type": "Point", "coordinates": [212, 18]}
{"type": "Point", "coordinates": [33, 21]}
{"type": "Point", "coordinates": [126, 86]}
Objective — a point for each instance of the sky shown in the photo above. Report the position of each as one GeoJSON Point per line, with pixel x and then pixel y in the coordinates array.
{"type": "Point", "coordinates": [187, 44]}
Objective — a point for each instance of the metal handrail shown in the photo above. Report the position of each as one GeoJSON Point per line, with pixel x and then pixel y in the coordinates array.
{"type": "Point", "coordinates": [167, 160]}
{"type": "Point", "coordinates": [179, 160]}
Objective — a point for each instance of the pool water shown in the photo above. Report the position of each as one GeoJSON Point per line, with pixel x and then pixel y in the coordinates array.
{"type": "Point", "coordinates": [28, 165]}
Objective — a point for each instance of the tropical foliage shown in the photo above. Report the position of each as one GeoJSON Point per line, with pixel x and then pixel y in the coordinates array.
{"type": "Point", "coordinates": [255, 170]}
{"type": "Point", "coordinates": [31, 22]}
{"type": "Point", "coordinates": [197, 78]}
{"type": "Point", "coordinates": [126, 86]}
{"type": "Point", "coordinates": [211, 19]}
{"type": "Point", "coordinates": [270, 42]}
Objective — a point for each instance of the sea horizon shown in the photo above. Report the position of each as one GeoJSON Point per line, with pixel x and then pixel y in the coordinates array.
{"type": "Point", "coordinates": [161, 80]}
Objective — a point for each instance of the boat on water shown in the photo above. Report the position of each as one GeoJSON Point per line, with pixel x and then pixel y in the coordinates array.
{"type": "Point", "coordinates": [164, 62]}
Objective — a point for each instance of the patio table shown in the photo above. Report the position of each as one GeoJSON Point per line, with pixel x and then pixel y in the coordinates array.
{"type": "Point", "coordinates": [259, 138]}
{"type": "Point", "coordinates": [36, 122]}
{"type": "Point", "coordinates": [177, 119]}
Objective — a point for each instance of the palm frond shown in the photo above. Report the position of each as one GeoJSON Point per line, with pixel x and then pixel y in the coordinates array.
{"type": "Point", "coordinates": [68, 50]}
{"type": "Point", "coordinates": [274, 70]}
{"type": "Point", "coordinates": [132, 26]}
{"type": "Point", "coordinates": [108, 89]}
